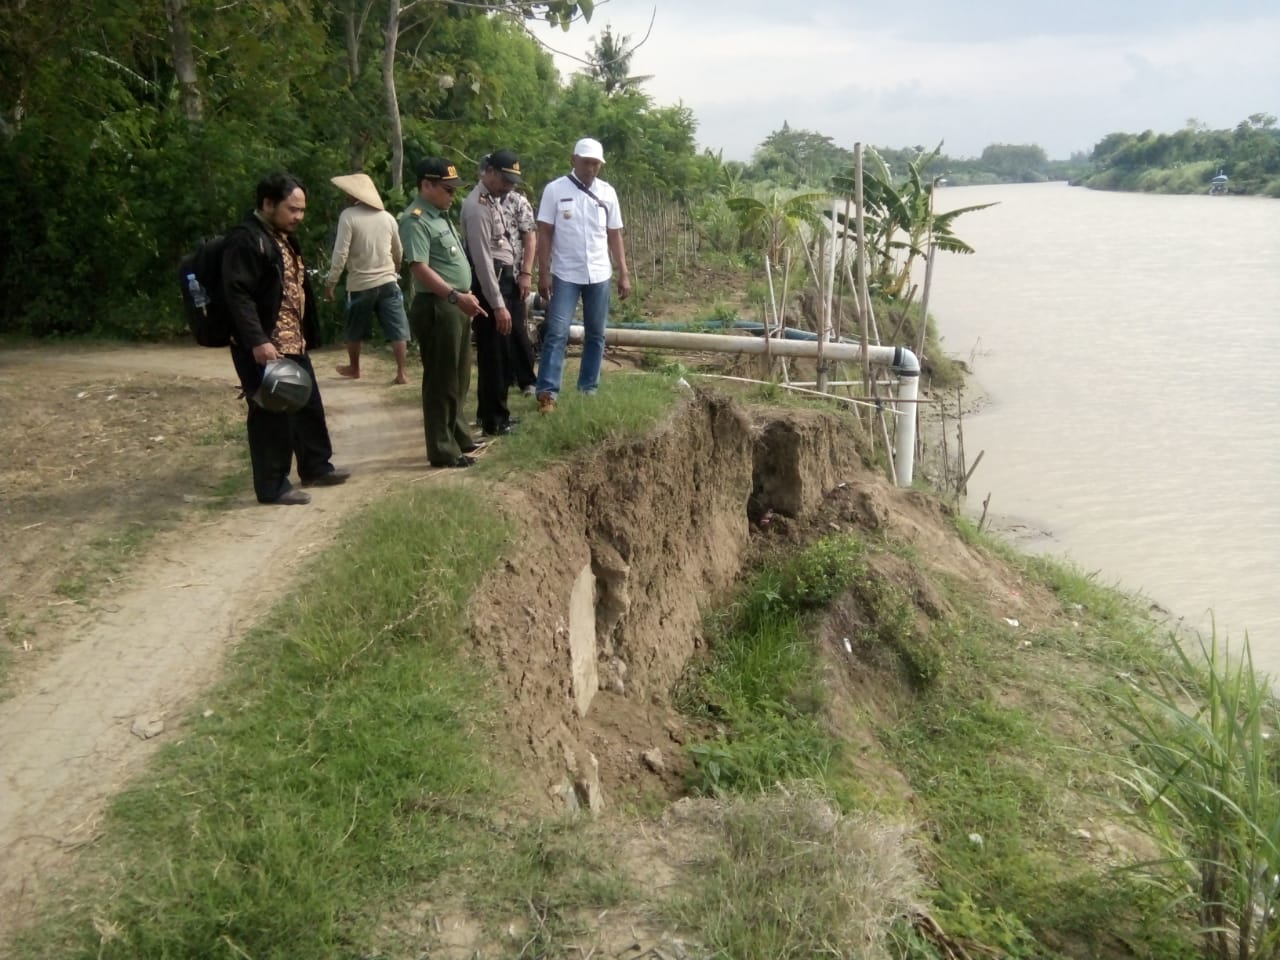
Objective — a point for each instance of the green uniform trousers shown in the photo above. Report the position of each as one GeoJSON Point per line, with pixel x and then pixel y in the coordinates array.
{"type": "Point", "coordinates": [443, 333]}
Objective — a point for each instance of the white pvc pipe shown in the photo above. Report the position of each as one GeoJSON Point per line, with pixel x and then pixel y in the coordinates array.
{"type": "Point", "coordinates": [900, 359]}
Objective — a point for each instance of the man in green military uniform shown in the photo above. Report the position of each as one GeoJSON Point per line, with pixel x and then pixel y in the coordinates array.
{"type": "Point", "coordinates": [441, 313]}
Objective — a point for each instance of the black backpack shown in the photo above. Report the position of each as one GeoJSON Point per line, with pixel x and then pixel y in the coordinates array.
{"type": "Point", "coordinates": [200, 279]}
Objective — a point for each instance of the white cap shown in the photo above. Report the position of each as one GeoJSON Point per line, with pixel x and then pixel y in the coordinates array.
{"type": "Point", "coordinates": [589, 149]}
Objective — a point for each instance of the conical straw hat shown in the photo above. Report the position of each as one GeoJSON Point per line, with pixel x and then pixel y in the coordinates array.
{"type": "Point", "coordinates": [359, 185]}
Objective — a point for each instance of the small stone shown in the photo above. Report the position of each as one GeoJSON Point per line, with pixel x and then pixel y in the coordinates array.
{"type": "Point", "coordinates": [144, 728]}
{"type": "Point", "coordinates": [653, 760]}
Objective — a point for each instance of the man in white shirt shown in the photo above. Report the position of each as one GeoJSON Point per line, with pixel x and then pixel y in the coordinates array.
{"type": "Point", "coordinates": [368, 247]}
{"type": "Point", "coordinates": [579, 229]}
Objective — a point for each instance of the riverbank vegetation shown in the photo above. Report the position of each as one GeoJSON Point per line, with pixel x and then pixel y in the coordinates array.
{"type": "Point", "coordinates": [1246, 158]}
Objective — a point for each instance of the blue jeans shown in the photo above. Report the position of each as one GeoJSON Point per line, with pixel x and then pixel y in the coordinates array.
{"type": "Point", "coordinates": [595, 316]}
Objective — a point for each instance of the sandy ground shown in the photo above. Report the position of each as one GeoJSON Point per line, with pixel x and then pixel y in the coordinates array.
{"type": "Point", "coordinates": [96, 684]}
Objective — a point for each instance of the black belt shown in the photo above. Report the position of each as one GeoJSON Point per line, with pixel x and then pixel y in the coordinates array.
{"type": "Point", "coordinates": [504, 271]}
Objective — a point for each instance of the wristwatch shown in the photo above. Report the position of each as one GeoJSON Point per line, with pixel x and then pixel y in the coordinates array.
{"type": "Point", "coordinates": [453, 296]}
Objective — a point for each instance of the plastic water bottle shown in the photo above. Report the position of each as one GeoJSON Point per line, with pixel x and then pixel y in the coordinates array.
{"type": "Point", "coordinates": [198, 295]}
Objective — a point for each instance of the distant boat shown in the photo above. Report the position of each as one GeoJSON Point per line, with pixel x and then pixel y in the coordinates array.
{"type": "Point", "coordinates": [1218, 184]}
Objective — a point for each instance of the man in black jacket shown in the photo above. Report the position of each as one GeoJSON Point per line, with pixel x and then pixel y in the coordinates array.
{"type": "Point", "coordinates": [266, 290]}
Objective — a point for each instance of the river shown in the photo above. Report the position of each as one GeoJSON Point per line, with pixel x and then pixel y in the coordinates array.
{"type": "Point", "coordinates": [1126, 343]}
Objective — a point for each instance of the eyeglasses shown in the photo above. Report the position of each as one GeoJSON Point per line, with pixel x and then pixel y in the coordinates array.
{"type": "Point", "coordinates": [446, 188]}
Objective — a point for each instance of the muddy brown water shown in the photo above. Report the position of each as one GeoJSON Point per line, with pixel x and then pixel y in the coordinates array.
{"type": "Point", "coordinates": [1126, 342]}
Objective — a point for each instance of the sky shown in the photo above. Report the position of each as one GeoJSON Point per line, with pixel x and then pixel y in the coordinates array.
{"type": "Point", "coordinates": [968, 73]}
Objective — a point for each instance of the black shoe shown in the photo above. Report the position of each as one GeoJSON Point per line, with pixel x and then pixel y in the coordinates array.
{"type": "Point", "coordinates": [501, 431]}
{"type": "Point", "coordinates": [462, 461]}
{"type": "Point", "coordinates": [330, 479]}
{"type": "Point", "coordinates": [291, 497]}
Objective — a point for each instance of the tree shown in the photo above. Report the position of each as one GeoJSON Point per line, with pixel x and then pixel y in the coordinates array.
{"type": "Point", "coordinates": [776, 221]}
{"type": "Point", "coordinates": [796, 158]}
{"type": "Point", "coordinates": [610, 63]}
{"type": "Point", "coordinates": [184, 58]}
{"type": "Point", "coordinates": [1016, 161]}
{"type": "Point", "coordinates": [563, 12]}
{"type": "Point", "coordinates": [900, 224]}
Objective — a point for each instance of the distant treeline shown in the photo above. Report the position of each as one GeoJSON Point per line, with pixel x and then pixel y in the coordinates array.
{"type": "Point", "coordinates": [1182, 162]}
{"type": "Point", "coordinates": [802, 159]}
{"type": "Point", "coordinates": [1187, 161]}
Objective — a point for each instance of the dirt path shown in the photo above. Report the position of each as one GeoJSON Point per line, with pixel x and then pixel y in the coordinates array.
{"type": "Point", "coordinates": [85, 717]}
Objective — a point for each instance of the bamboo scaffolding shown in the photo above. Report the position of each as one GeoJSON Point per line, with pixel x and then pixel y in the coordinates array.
{"type": "Point", "coordinates": [852, 401]}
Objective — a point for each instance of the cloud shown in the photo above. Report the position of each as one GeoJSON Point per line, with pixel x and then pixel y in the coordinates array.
{"type": "Point", "coordinates": [970, 75]}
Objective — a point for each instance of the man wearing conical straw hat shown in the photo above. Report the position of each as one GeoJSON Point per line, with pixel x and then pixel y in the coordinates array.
{"type": "Point", "coordinates": [368, 247]}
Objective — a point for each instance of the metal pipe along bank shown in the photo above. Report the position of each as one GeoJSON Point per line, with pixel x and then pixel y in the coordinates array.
{"type": "Point", "coordinates": [900, 359]}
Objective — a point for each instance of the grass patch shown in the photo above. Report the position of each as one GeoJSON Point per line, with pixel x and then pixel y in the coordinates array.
{"type": "Point", "coordinates": [103, 560]}
{"type": "Point", "coordinates": [343, 761]}
{"type": "Point", "coordinates": [628, 405]}
{"type": "Point", "coordinates": [1115, 626]}
{"type": "Point", "coordinates": [762, 686]}
{"type": "Point", "coordinates": [992, 751]}
{"type": "Point", "coordinates": [789, 876]}
{"type": "Point", "coordinates": [225, 430]}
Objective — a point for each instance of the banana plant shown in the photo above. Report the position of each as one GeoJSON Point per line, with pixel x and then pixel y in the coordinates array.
{"type": "Point", "coordinates": [775, 222]}
{"type": "Point", "coordinates": [899, 222]}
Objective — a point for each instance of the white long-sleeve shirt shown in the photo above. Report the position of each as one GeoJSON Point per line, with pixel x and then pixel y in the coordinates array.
{"type": "Point", "coordinates": [368, 246]}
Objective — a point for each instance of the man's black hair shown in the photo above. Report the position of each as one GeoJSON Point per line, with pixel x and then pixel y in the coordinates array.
{"type": "Point", "coordinates": [276, 186]}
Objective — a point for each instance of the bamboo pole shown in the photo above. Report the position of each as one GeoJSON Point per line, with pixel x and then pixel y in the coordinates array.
{"type": "Point", "coordinates": [964, 483]}
{"type": "Point", "coordinates": [888, 444]}
{"type": "Point", "coordinates": [863, 299]}
{"type": "Point", "coordinates": [924, 300]}
{"type": "Point", "coordinates": [782, 313]}
{"type": "Point", "coordinates": [768, 340]}
{"type": "Point", "coordinates": [786, 285]}
{"type": "Point", "coordinates": [844, 249]}
{"type": "Point", "coordinates": [946, 448]}
{"type": "Point", "coordinates": [902, 317]}
{"type": "Point", "coordinates": [825, 252]}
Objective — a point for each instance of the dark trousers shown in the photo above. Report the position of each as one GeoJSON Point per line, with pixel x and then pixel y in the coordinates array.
{"type": "Point", "coordinates": [444, 339]}
{"type": "Point", "coordinates": [275, 439]}
{"type": "Point", "coordinates": [522, 371]}
{"type": "Point", "coordinates": [495, 355]}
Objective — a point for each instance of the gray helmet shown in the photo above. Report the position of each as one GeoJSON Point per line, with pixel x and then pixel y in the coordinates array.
{"type": "Point", "coordinates": [286, 387]}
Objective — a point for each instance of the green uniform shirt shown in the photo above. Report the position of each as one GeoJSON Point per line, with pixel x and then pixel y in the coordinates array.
{"type": "Point", "coordinates": [429, 237]}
